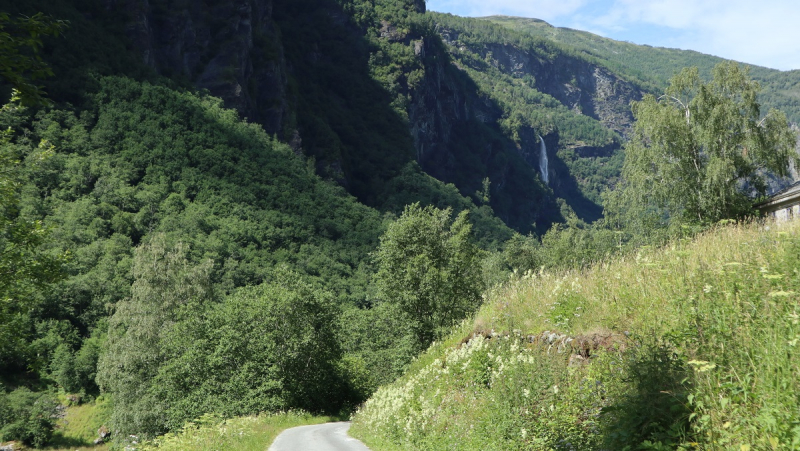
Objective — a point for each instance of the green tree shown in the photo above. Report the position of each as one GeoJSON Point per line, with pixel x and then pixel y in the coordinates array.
{"type": "Point", "coordinates": [699, 153]}
{"type": "Point", "coordinates": [264, 348]}
{"type": "Point", "coordinates": [20, 43]}
{"type": "Point", "coordinates": [428, 265]}
{"type": "Point", "coordinates": [28, 416]}
{"type": "Point", "coordinates": [24, 268]}
{"type": "Point", "coordinates": [165, 281]}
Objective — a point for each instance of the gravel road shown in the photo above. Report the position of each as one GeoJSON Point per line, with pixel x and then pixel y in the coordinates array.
{"type": "Point", "coordinates": [319, 437]}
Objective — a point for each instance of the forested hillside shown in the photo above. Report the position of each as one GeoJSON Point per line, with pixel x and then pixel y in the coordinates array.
{"type": "Point", "coordinates": [153, 215]}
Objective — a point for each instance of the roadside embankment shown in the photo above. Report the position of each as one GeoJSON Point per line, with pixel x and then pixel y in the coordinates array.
{"type": "Point", "coordinates": [690, 346]}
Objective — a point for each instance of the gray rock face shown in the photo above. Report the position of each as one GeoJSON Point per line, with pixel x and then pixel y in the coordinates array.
{"type": "Point", "coordinates": [437, 104]}
{"type": "Point", "coordinates": [229, 48]}
{"type": "Point", "coordinates": [580, 86]}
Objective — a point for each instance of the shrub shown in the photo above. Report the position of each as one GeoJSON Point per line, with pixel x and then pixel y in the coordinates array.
{"type": "Point", "coordinates": [28, 416]}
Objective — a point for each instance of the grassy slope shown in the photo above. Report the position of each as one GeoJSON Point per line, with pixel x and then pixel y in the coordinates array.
{"type": "Point", "coordinates": [657, 64]}
{"type": "Point", "coordinates": [242, 433]}
{"type": "Point", "coordinates": [78, 430]}
{"type": "Point", "coordinates": [692, 346]}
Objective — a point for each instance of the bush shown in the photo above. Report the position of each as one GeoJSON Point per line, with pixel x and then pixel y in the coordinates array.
{"type": "Point", "coordinates": [28, 416]}
{"type": "Point", "coordinates": [429, 267]}
{"type": "Point", "coordinates": [75, 371]}
{"type": "Point", "coordinates": [262, 349]}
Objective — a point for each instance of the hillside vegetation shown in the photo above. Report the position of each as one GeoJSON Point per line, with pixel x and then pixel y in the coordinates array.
{"type": "Point", "coordinates": [690, 346]}
{"type": "Point", "coordinates": [656, 65]}
{"type": "Point", "coordinates": [220, 209]}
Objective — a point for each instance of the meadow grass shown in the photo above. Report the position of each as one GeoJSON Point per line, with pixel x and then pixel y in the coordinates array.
{"type": "Point", "coordinates": [79, 427]}
{"type": "Point", "coordinates": [690, 346]}
{"type": "Point", "coordinates": [251, 433]}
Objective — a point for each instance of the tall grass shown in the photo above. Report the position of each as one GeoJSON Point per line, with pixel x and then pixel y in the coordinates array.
{"type": "Point", "coordinates": [210, 433]}
{"type": "Point", "coordinates": [80, 425]}
{"type": "Point", "coordinates": [697, 350]}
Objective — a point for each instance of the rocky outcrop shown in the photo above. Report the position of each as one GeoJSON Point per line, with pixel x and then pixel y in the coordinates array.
{"type": "Point", "coordinates": [455, 130]}
{"type": "Point", "coordinates": [583, 87]}
{"type": "Point", "coordinates": [229, 48]}
{"type": "Point", "coordinates": [437, 104]}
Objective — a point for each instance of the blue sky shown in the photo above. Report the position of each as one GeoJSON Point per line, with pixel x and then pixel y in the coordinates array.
{"type": "Point", "coordinates": [761, 32]}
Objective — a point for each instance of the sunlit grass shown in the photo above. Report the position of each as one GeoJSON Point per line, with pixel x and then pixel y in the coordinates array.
{"type": "Point", "coordinates": [254, 433]}
{"type": "Point", "coordinates": [711, 327]}
{"type": "Point", "coordinates": [79, 427]}
{"type": "Point", "coordinates": [651, 290]}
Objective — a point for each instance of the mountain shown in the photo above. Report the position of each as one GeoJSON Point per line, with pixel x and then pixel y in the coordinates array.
{"type": "Point", "coordinates": [374, 92]}
{"type": "Point", "coordinates": [210, 156]}
{"type": "Point", "coordinates": [655, 65]}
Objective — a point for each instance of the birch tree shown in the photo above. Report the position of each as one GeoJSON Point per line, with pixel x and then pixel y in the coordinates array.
{"type": "Point", "coordinates": [700, 152]}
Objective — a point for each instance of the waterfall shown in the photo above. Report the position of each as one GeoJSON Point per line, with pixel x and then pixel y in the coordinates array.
{"type": "Point", "coordinates": [543, 160]}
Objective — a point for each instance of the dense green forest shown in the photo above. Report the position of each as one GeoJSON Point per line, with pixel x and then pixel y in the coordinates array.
{"type": "Point", "coordinates": [176, 251]}
{"type": "Point", "coordinates": [149, 215]}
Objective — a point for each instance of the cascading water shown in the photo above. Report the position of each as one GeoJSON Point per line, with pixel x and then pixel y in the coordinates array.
{"type": "Point", "coordinates": [543, 160]}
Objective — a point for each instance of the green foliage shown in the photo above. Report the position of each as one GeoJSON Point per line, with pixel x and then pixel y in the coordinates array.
{"type": "Point", "coordinates": [24, 267]}
{"type": "Point", "coordinates": [262, 349]}
{"type": "Point", "coordinates": [484, 393]}
{"type": "Point", "coordinates": [27, 416]}
{"type": "Point", "coordinates": [377, 343]}
{"type": "Point", "coordinates": [428, 266]}
{"type": "Point", "coordinates": [164, 282]}
{"type": "Point", "coordinates": [413, 185]}
{"type": "Point", "coordinates": [75, 371]}
{"type": "Point", "coordinates": [690, 346]}
{"type": "Point", "coordinates": [146, 160]}
{"type": "Point", "coordinates": [575, 244]}
{"type": "Point", "coordinates": [174, 353]}
{"type": "Point", "coordinates": [20, 59]}
{"type": "Point", "coordinates": [698, 153]}
{"type": "Point", "coordinates": [594, 175]}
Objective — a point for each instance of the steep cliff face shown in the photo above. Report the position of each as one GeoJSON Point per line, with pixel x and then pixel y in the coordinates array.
{"type": "Point", "coordinates": [336, 84]}
{"type": "Point", "coordinates": [582, 87]}
{"type": "Point", "coordinates": [440, 102]}
{"type": "Point", "coordinates": [457, 139]}
{"type": "Point", "coordinates": [229, 48]}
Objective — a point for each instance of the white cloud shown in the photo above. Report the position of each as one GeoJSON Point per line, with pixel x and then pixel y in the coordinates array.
{"type": "Point", "coordinates": [763, 32]}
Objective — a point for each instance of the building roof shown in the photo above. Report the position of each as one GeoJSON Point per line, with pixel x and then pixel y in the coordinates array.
{"type": "Point", "coordinates": [785, 196]}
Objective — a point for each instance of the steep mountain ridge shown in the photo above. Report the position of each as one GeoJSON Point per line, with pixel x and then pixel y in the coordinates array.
{"type": "Point", "coordinates": [256, 56]}
{"type": "Point", "coordinates": [369, 90]}
{"type": "Point", "coordinates": [579, 85]}
{"type": "Point", "coordinates": [232, 49]}
{"type": "Point", "coordinates": [655, 65]}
